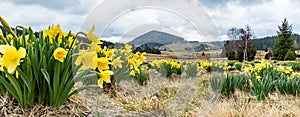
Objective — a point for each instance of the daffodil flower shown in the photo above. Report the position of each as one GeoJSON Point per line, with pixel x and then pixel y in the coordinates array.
{"type": "Point", "coordinates": [102, 64]}
{"type": "Point", "coordinates": [87, 59]}
{"type": "Point", "coordinates": [92, 37]}
{"type": "Point", "coordinates": [11, 57]}
{"type": "Point", "coordinates": [52, 32]}
{"type": "Point", "coordinates": [117, 62]}
{"type": "Point", "coordinates": [104, 76]}
{"type": "Point", "coordinates": [128, 48]}
{"type": "Point", "coordinates": [60, 54]}
{"type": "Point", "coordinates": [110, 53]}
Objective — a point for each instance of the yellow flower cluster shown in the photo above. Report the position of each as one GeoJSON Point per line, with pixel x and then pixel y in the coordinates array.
{"type": "Point", "coordinates": [90, 59]}
{"type": "Point", "coordinates": [135, 61]}
{"type": "Point", "coordinates": [257, 67]}
{"type": "Point", "coordinates": [205, 64]}
{"type": "Point", "coordinates": [173, 63]}
{"type": "Point", "coordinates": [285, 69]}
{"type": "Point", "coordinates": [55, 31]}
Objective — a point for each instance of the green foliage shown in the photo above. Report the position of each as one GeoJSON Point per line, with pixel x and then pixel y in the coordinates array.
{"type": "Point", "coordinates": [147, 49]}
{"type": "Point", "coordinates": [217, 82]}
{"type": "Point", "coordinates": [166, 69]}
{"type": "Point", "coordinates": [231, 63]}
{"type": "Point", "coordinates": [242, 47]}
{"type": "Point", "coordinates": [264, 85]}
{"type": "Point", "coordinates": [295, 65]}
{"type": "Point", "coordinates": [141, 77]}
{"type": "Point", "coordinates": [238, 66]}
{"type": "Point", "coordinates": [287, 85]}
{"type": "Point", "coordinates": [269, 42]}
{"type": "Point", "coordinates": [191, 69]}
{"type": "Point", "coordinates": [284, 48]}
{"type": "Point", "coordinates": [261, 88]}
{"type": "Point", "coordinates": [178, 71]}
{"type": "Point", "coordinates": [227, 84]}
{"type": "Point", "coordinates": [291, 55]}
{"type": "Point", "coordinates": [41, 78]}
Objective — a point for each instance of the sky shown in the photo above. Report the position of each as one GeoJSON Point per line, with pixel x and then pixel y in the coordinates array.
{"type": "Point", "coordinates": [263, 16]}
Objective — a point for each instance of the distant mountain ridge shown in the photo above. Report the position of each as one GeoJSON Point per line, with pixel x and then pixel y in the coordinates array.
{"type": "Point", "coordinates": [156, 37]}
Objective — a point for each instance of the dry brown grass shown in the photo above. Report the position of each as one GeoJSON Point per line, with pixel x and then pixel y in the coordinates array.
{"type": "Point", "coordinates": [72, 108]}
{"type": "Point", "coordinates": [178, 96]}
{"type": "Point", "coordinates": [188, 97]}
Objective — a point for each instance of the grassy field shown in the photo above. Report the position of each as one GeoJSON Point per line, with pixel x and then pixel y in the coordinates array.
{"type": "Point", "coordinates": [181, 96]}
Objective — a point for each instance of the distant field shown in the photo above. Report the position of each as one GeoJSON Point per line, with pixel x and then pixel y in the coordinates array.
{"type": "Point", "coordinates": [214, 55]}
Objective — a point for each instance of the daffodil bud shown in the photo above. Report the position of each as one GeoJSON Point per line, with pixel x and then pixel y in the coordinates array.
{"type": "Point", "coordinates": [1, 35]}
{"type": "Point", "coordinates": [7, 27]}
{"type": "Point", "coordinates": [4, 23]}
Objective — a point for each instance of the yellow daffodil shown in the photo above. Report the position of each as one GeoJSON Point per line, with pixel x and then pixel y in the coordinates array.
{"type": "Point", "coordinates": [131, 63]}
{"type": "Point", "coordinates": [92, 37]}
{"type": "Point", "coordinates": [104, 76]}
{"type": "Point", "coordinates": [98, 48]}
{"type": "Point", "coordinates": [26, 40]}
{"type": "Point", "coordinates": [136, 55]}
{"type": "Point", "coordinates": [87, 59]}
{"type": "Point", "coordinates": [117, 62]}
{"type": "Point", "coordinates": [11, 57]}
{"type": "Point", "coordinates": [60, 54]}
{"type": "Point", "coordinates": [103, 63]}
{"type": "Point", "coordinates": [110, 53]}
{"type": "Point", "coordinates": [258, 67]}
{"type": "Point", "coordinates": [288, 70]}
{"type": "Point", "coordinates": [9, 36]}
{"type": "Point", "coordinates": [280, 68]}
{"type": "Point", "coordinates": [258, 77]}
{"type": "Point", "coordinates": [52, 32]}
{"type": "Point", "coordinates": [70, 41]}
{"type": "Point", "coordinates": [143, 57]}
{"type": "Point", "coordinates": [247, 69]}
{"type": "Point", "coordinates": [128, 48]}
{"type": "Point", "coordinates": [132, 73]}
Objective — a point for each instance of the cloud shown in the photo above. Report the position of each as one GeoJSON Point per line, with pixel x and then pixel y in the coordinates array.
{"type": "Point", "coordinates": [68, 6]}
{"type": "Point", "coordinates": [263, 16]}
{"type": "Point", "coordinates": [41, 14]}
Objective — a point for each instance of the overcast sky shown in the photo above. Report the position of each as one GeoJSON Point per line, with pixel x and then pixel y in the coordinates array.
{"type": "Point", "coordinates": [262, 15]}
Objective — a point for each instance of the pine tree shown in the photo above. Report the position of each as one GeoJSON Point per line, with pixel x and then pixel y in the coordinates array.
{"type": "Point", "coordinates": [285, 44]}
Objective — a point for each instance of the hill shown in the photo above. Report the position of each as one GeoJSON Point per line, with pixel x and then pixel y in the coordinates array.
{"type": "Point", "coordinates": [156, 37]}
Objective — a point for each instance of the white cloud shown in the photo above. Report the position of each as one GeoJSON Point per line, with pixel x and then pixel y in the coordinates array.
{"type": "Point", "coordinates": [262, 15]}
{"type": "Point", "coordinates": [263, 18]}
{"type": "Point", "coordinates": [40, 17]}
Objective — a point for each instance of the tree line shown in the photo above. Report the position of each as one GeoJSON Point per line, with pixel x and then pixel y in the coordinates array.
{"type": "Point", "coordinates": [242, 46]}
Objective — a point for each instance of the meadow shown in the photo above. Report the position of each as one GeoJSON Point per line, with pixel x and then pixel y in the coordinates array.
{"type": "Point", "coordinates": [55, 74]}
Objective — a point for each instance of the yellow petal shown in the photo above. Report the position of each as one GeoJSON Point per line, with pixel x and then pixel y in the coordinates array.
{"type": "Point", "coordinates": [12, 67]}
{"type": "Point", "coordinates": [22, 52]}
{"type": "Point", "coordinates": [100, 83]}
{"type": "Point", "coordinates": [92, 29]}
{"type": "Point", "coordinates": [4, 48]}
